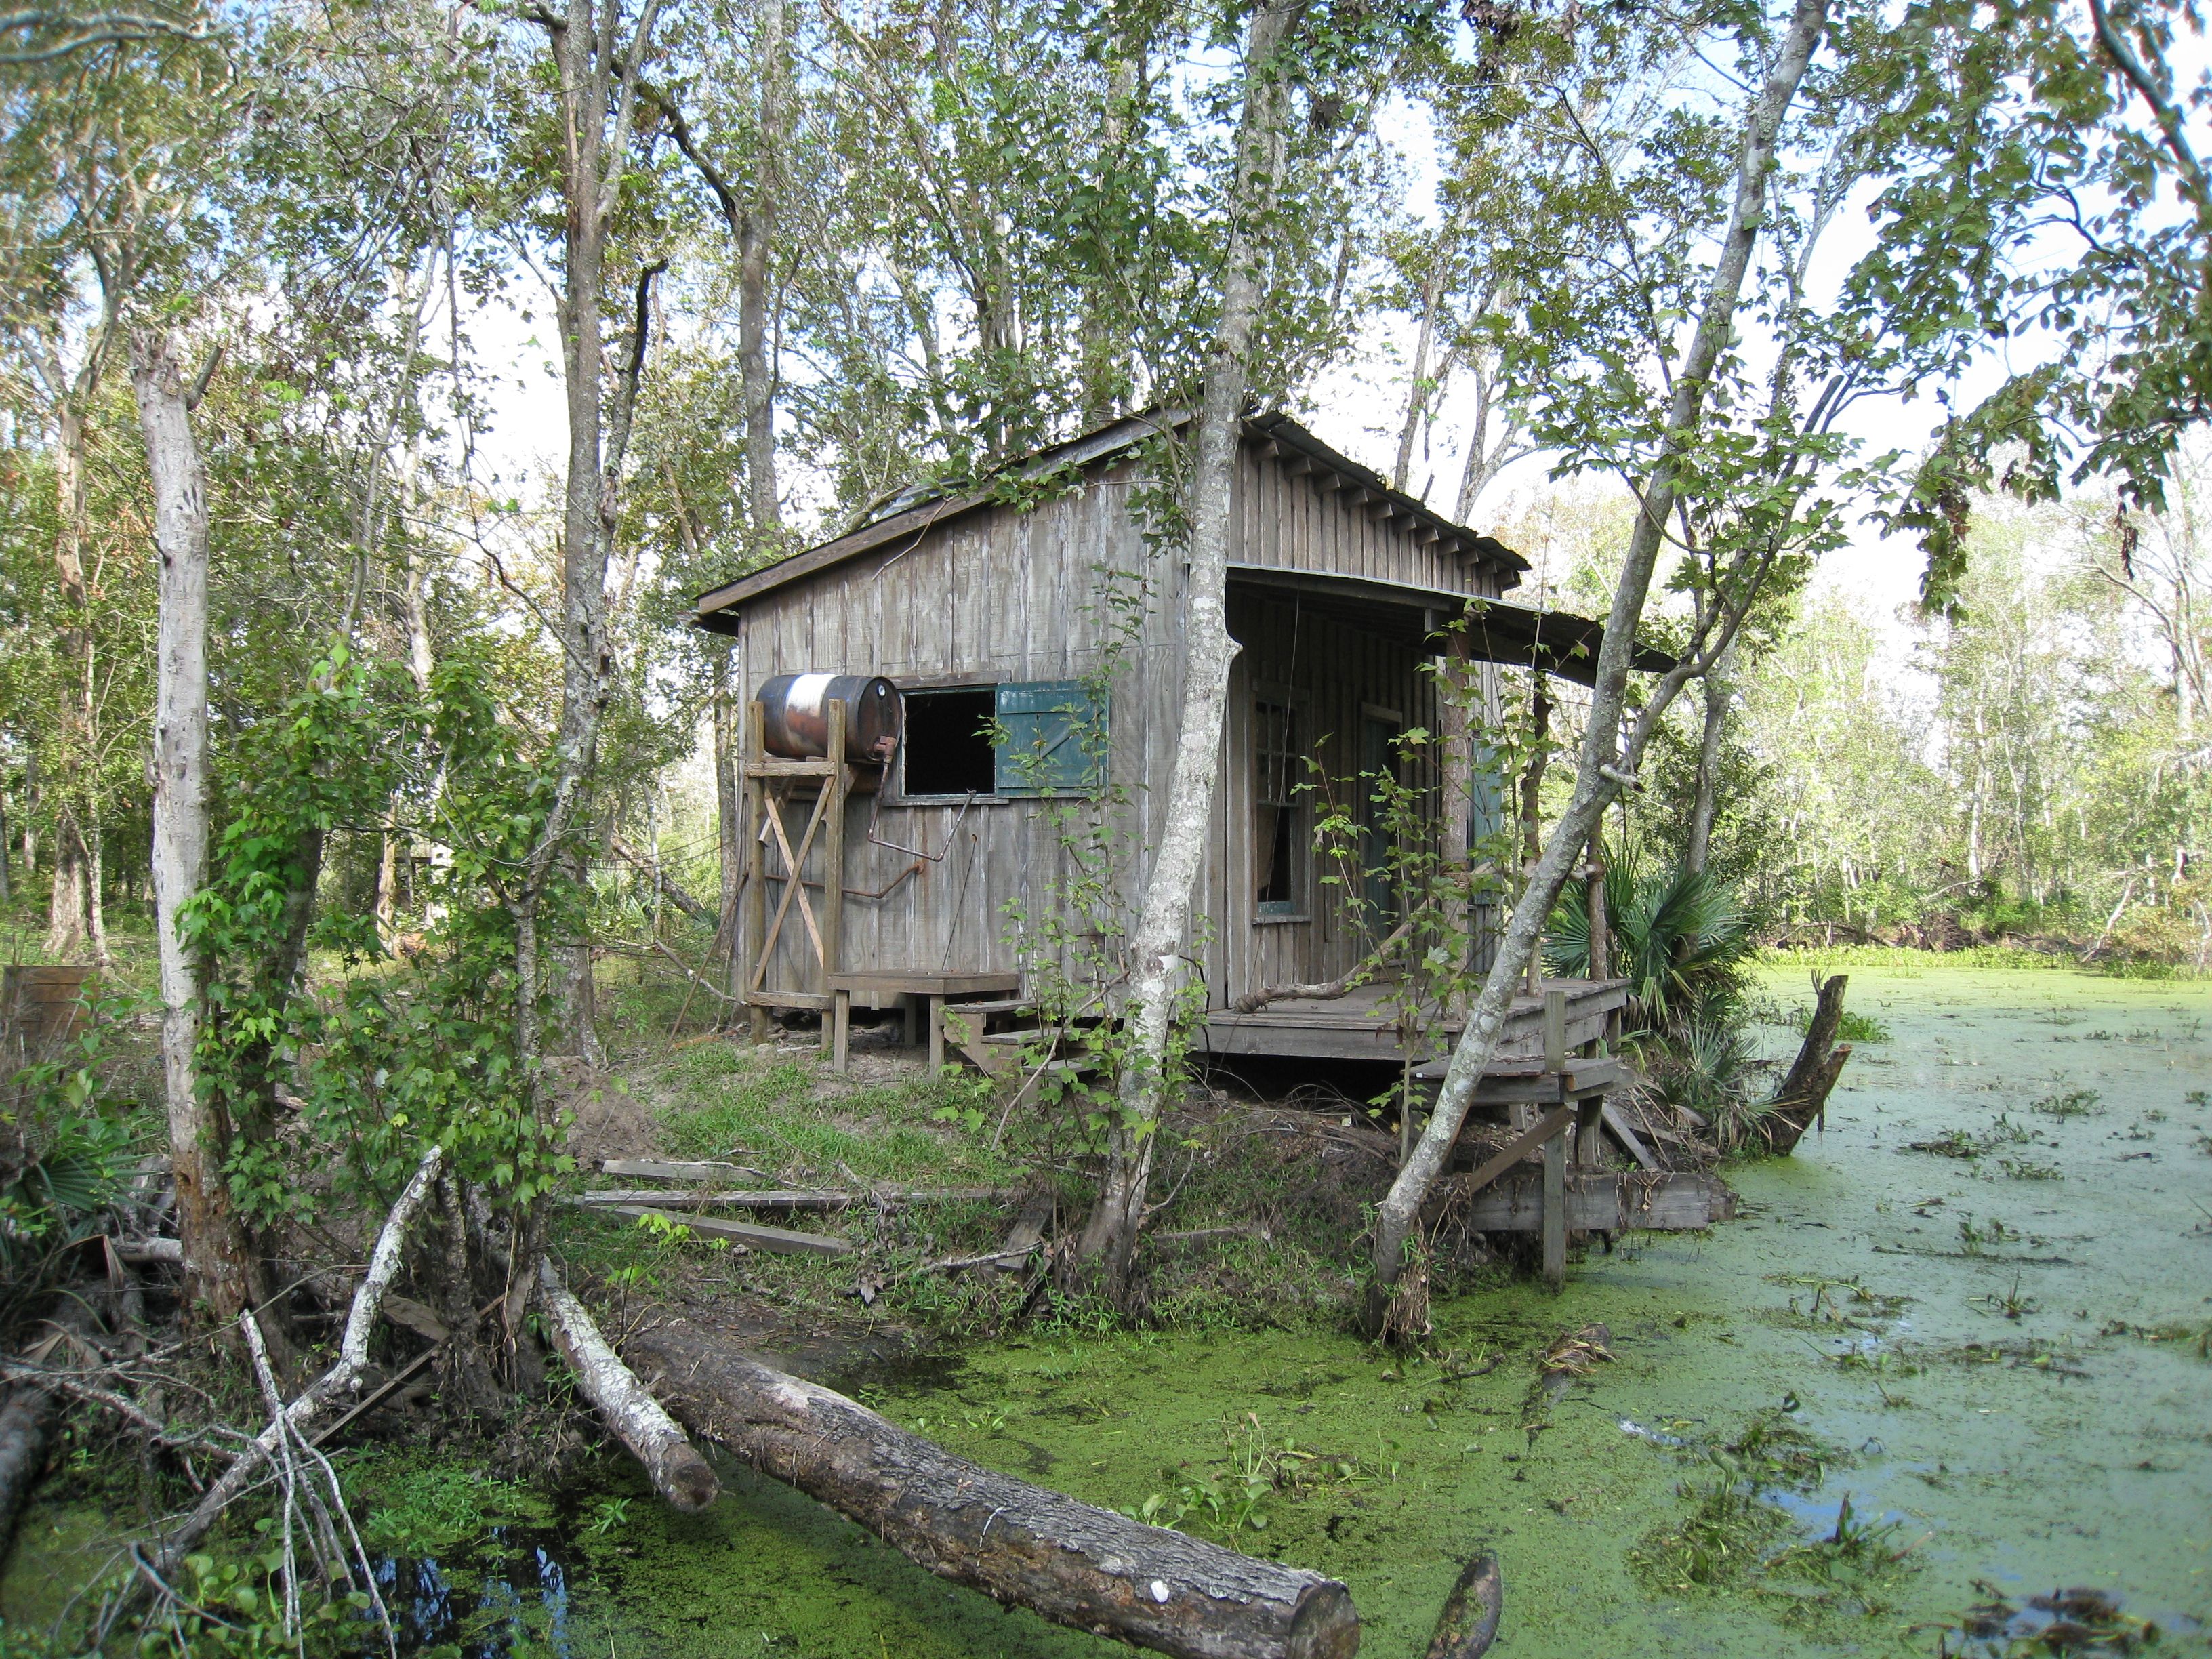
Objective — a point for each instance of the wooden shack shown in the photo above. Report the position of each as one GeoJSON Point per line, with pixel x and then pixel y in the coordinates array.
{"type": "Point", "coordinates": [1038, 607]}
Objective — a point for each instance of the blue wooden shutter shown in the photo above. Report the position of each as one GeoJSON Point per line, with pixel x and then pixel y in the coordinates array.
{"type": "Point", "coordinates": [1054, 729]}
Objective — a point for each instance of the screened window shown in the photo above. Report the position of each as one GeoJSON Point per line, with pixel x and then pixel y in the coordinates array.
{"type": "Point", "coordinates": [1279, 845]}
{"type": "Point", "coordinates": [1020, 738]}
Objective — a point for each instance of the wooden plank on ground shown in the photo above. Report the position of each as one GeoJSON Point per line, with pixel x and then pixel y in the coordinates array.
{"type": "Point", "coordinates": [1627, 1137]}
{"type": "Point", "coordinates": [776, 1241]}
{"type": "Point", "coordinates": [655, 1169]}
{"type": "Point", "coordinates": [790, 1199]}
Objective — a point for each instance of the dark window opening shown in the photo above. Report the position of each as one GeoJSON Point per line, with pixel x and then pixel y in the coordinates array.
{"type": "Point", "coordinates": [1279, 848]}
{"type": "Point", "coordinates": [947, 746]}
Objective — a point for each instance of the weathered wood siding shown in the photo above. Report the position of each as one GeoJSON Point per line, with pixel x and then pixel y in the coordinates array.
{"type": "Point", "coordinates": [998, 595]}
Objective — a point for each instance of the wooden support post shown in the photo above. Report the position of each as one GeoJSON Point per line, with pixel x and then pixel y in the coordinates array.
{"type": "Point", "coordinates": [841, 1027]}
{"type": "Point", "coordinates": [1532, 801]}
{"type": "Point", "coordinates": [760, 802]}
{"type": "Point", "coordinates": [935, 1004]}
{"type": "Point", "coordinates": [1589, 1151]}
{"type": "Point", "coordinates": [833, 848]}
{"type": "Point", "coordinates": [1555, 1149]}
{"type": "Point", "coordinates": [1555, 1211]}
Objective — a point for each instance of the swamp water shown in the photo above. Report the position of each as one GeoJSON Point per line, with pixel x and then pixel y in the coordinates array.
{"type": "Point", "coordinates": [1992, 1348]}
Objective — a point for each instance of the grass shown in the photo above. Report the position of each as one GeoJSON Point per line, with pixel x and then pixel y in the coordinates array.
{"type": "Point", "coordinates": [785, 1116]}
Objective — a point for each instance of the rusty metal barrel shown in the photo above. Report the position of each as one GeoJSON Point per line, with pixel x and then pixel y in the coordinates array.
{"type": "Point", "coordinates": [795, 715]}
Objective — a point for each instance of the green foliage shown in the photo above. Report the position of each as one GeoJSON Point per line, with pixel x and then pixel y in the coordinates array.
{"type": "Point", "coordinates": [412, 1504]}
{"type": "Point", "coordinates": [395, 1054]}
{"type": "Point", "coordinates": [1679, 936]}
{"type": "Point", "coordinates": [68, 1143]}
{"type": "Point", "coordinates": [2069, 1102]}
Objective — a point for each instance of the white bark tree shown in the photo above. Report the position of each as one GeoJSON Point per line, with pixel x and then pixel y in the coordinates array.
{"type": "Point", "coordinates": [219, 1266]}
{"type": "Point", "coordinates": [1106, 1246]}
{"type": "Point", "coordinates": [1607, 764]}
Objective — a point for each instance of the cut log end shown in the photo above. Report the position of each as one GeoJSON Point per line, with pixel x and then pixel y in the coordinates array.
{"type": "Point", "coordinates": [1326, 1624]}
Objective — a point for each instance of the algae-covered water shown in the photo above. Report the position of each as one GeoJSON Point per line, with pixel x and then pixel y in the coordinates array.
{"type": "Point", "coordinates": [1998, 1344]}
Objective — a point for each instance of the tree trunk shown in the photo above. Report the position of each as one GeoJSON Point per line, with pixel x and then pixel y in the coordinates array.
{"type": "Point", "coordinates": [1417, 394]}
{"type": "Point", "coordinates": [1107, 1245]}
{"type": "Point", "coordinates": [34, 797]}
{"type": "Point", "coordinates": [65, 928]}
{"type": "Point", "coordinates": [69, 920]}
{"type": "Point", "coordinates": [756, 251]}
{"type": "Point", "coordinates": [1705, 800]}
{"type": "Point", "coordinates": [26, 1423]}
{"type": "Point", "coordinates": [218, 1266]}
{"type": "Point", "coordinates": [598, 78]}
{"type": "Point", "coordinates": [1066, 1560]}
{"type": "Point", "coordinates": [1599, 775]}
{"type": "Point", "coordinates": [1804, 1092]}
{"type": "Point", "coordinates": [95, 897]}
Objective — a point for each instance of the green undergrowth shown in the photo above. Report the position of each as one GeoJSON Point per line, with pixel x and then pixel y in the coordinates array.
{"type": "Point", "coordinates": [1904, 959]}
{"type": "Point", "coordinates": [1257, 1225]}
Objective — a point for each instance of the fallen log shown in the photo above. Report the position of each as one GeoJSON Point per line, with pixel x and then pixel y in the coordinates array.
{"type": "Point", "coordinates": [1066, 1560]}
{"type": "Point", "coordinates": [1468, 1624]}
{"type": "Point", "coordinates": [27, 1424]}
{"type": "Point", "coordinates": [655, 1169]}
{"type": "Point", "coordinates": [679, 1474]}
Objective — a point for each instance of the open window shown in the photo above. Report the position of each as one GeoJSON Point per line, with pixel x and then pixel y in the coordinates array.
{"type": "Point", "coordinates": [1282, 850]}
{"type": "Point", "coordinates": [1016, 739]}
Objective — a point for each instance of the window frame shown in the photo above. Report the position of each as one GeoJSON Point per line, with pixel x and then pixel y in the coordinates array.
{"type": "Point", "coordinates": [1297, 803]}
{"type": "Point", "coordinates": [897, 795]}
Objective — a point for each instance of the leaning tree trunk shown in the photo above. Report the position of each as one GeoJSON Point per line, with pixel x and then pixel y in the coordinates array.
{"type": "Point", "coordinates": [1074, 1564]}
{"type": "Point", "coordinates": [1108, 1246]}
{"type": "Point", "coordinates": [1803, 1096]}
{"type": "Point", "coordinates": [219, 1269]}
{"type": "Point", "coordinates": [1605, 767]}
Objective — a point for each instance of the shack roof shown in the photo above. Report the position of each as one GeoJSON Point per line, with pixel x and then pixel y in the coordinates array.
{"type": "Point", "coordinates": [913, 511]}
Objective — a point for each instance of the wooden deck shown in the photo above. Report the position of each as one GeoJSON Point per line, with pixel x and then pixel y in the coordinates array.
{"type": "Point", "coordinates": [1363, 1026]}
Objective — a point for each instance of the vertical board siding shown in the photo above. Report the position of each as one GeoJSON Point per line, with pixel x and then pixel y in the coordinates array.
{"type": "Point", "coordinates": [998, 594]}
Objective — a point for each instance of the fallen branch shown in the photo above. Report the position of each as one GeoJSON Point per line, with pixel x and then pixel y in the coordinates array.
{"type": "Point", "coordinates": [1468, 1624]}
{"type": "Point", "coordinates": [352, 1360]}
{"type": "Point", "coordinates": [679, 1474]}
{"type": "Point", "coordinates": [1066, 1560]}
{"type": "Point", "coordinates": [683, 901]}
{"type": "Point", "coordinates": [1328, 990]}
{"type": "Point", "coordinates": [1001, 1258]}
